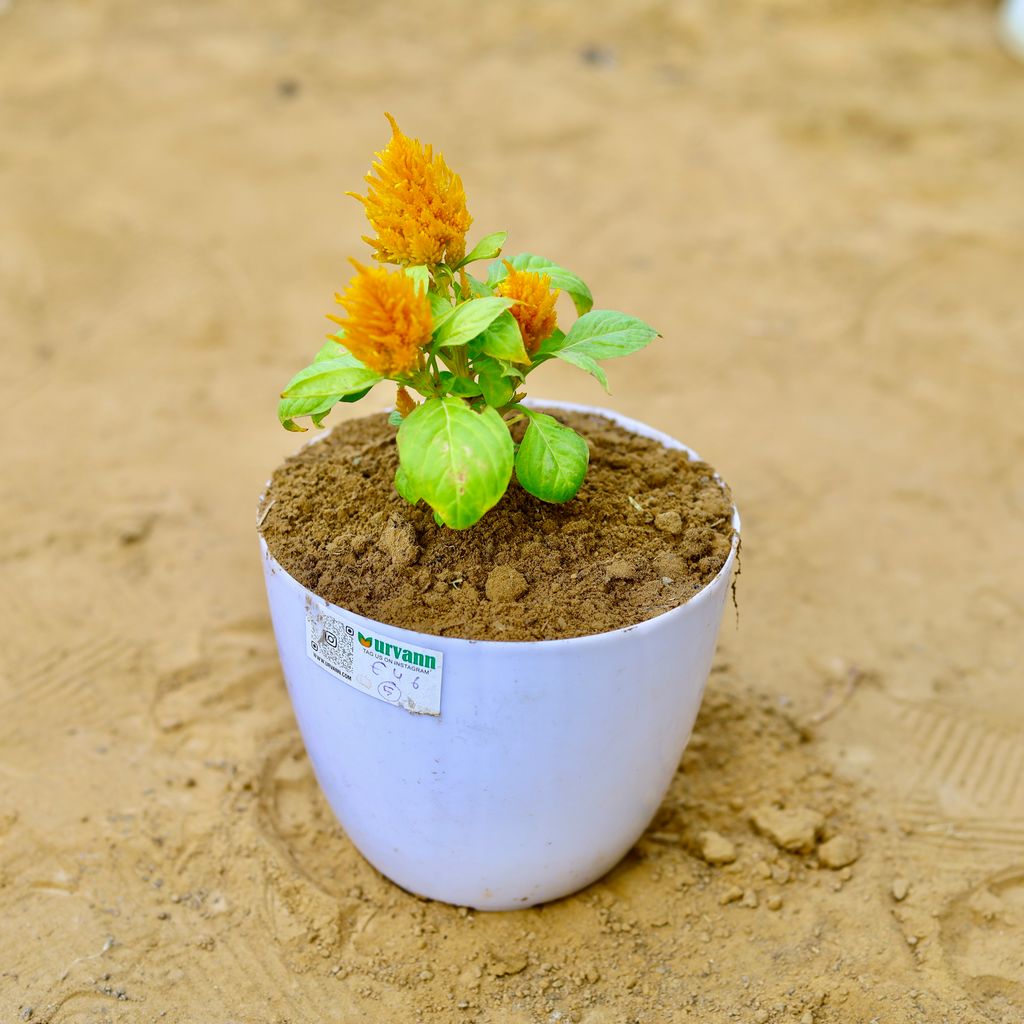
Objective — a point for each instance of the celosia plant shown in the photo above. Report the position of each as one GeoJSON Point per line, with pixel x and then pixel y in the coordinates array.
{"type": "Point", "coordinates": [464, 344]}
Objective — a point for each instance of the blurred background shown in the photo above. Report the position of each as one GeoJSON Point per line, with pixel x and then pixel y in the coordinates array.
{"type": "Point", "coordinates": [820, 206]}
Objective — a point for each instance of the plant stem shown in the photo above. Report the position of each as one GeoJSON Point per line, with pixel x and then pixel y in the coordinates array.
{"type": "Point", "coordinates": [461, 362]}
{"type": "Point", "coordinates": [521, 412]}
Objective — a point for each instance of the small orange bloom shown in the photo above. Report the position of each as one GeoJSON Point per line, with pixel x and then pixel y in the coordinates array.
{"type": "Point", "coordinates": [388, 322]}
{"type": "Point", "coordinates": [404, 402]}
{"type": "Point", "coordinates": [535, 306]}
{"type": "Point", "coordinates": [416, 204]}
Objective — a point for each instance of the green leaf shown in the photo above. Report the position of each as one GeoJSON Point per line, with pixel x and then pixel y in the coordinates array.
{"type": "Point", "coordinates": [486, 249]}
{"type": "Point", "coordinates": [421, 275]}
{"type": "Point", "coordinates": [463, 388]}
{"type": "Point", "coordinates": [603, 334]}
{"type": "Point", "coordinates": [315, 408]}
{"type": "Point", "coordinates": [404, 486]}
{"type": "Point", "coordinates": [585, 362]}
{"type": "Point", "coordinates": [451, 384]}
{"type": "Point", "coordinates": [560, 277]}
{"type": "Point", "coordinates": [457, 460]}
{"type": "Point", "coordinates": [317, 418]}
{"type": "Point", "coordinates": [547, 348]}
{"type": "Point", "coordinates": [331, 378]}
{"type": "Point", "coordinates": [606, 334]}
{"type": "Point", "coordinates": [335, 349]}
{"type": "Point", "coordinates": [440, 307]}
{"type": "Point", "coordinates": [498, 368]}
{"type": "Point", "coordinates": [355, 396]}
{"type": "Point", "coordinates": [288, 409]}
{"type": "Point", "coordinates": [496, 389]}
{"type": "Point", "coordinates": [332, 356]}
{"type": "Point", "coordinates": [479, 289]}
{"type": "Point", "coordinates": [395, 418]}
{"type": "Point", "coordinates": [469, 320]}
{"type": "Point", "coordinates": [503, 340]}
{"type": "Point", "coordinates": [552, 459]}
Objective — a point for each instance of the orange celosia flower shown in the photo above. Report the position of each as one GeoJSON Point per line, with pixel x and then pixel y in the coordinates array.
{"type": "Point", "coordinates": [388, 320]}
{"type": "Point", "coordinates": [404, 402]}
{"type": "Point", "coordinates": [416, 204]}
{"type": "Point", "coordinates": [535, 306]}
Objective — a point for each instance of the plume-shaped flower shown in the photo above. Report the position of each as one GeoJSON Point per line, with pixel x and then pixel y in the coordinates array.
{"type": "Point", "coordinates": [388, 322]}
{"type": "Point", "coordinates": [416, 204]}
{"type": "Point", "coordinates": [534, 309]}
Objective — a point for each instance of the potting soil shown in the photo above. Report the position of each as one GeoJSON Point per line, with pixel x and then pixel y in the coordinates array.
{"type": "Point", "coordinates": [647, 531]}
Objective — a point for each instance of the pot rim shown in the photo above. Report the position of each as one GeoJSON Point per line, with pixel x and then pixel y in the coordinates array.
{"type": "Point", "coordinates": [607, 636]}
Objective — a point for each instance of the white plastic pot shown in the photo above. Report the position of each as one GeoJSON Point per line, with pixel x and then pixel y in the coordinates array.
{"type": "Point", "coordinates": [1011, 24]}
{"type": "Point", "coordinates": [547, 760]}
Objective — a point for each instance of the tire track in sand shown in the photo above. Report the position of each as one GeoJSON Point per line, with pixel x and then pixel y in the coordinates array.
{"type": "Point", "coordinates": [967, 797]}
{"type": "Point", "coordinates": [65, 686]}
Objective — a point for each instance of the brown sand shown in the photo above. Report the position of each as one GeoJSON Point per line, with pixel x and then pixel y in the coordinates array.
{"type": "Point", "coordinates": [820, 207]}
{"type": "Point", "coordinates": [647, 530]}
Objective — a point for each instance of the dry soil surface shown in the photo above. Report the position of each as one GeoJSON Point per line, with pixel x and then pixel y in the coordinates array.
{"type": "Point", "coordinates": [820, 206]}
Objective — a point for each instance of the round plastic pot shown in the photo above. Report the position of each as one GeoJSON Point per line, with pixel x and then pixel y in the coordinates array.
{"type": "Point", "coordinates": [547, 760]}
{"type": "Point", "coordinates": [1011, 23]}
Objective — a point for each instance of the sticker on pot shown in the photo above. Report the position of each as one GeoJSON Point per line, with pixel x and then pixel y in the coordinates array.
{"type": "Point", "coordinates": [390, 670]}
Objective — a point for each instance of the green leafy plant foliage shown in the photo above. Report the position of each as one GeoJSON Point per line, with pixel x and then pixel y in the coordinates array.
{"type": "Point", "coordinates": [561, 278]}
{"type": "Point", "coordinates": [457, 459]}
{"type": "Point", "coordinates": [486, 336]}
{"type": "Point", "coordinates": [468, 320]}
{"type": "Point", "coordinates": [602, 334]}
{"type": "Point", "coordinates": [298, 400]}
{"type": "Point", "coordinates": [552, 459]}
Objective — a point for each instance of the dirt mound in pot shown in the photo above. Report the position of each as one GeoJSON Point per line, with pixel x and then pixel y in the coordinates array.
{"type": "Point", "coordinates": [648, 529]}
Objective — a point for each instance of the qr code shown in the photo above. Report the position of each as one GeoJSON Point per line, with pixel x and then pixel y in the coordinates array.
{"type": "Point", "coordinates": [331, 643]}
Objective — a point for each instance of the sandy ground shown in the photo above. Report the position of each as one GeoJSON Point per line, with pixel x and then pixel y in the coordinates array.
{"type": "Point", "coordinates": [820, 204]}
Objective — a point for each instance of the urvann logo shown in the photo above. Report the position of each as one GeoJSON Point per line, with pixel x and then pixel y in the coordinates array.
{"type": "Point", "coordinates": [366, 641]}
{"type": "Point", "coordinates": [415, 658]}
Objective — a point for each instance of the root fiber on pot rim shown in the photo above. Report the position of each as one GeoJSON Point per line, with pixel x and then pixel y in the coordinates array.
{"type": "Point", "coordinates": [648, 530]}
